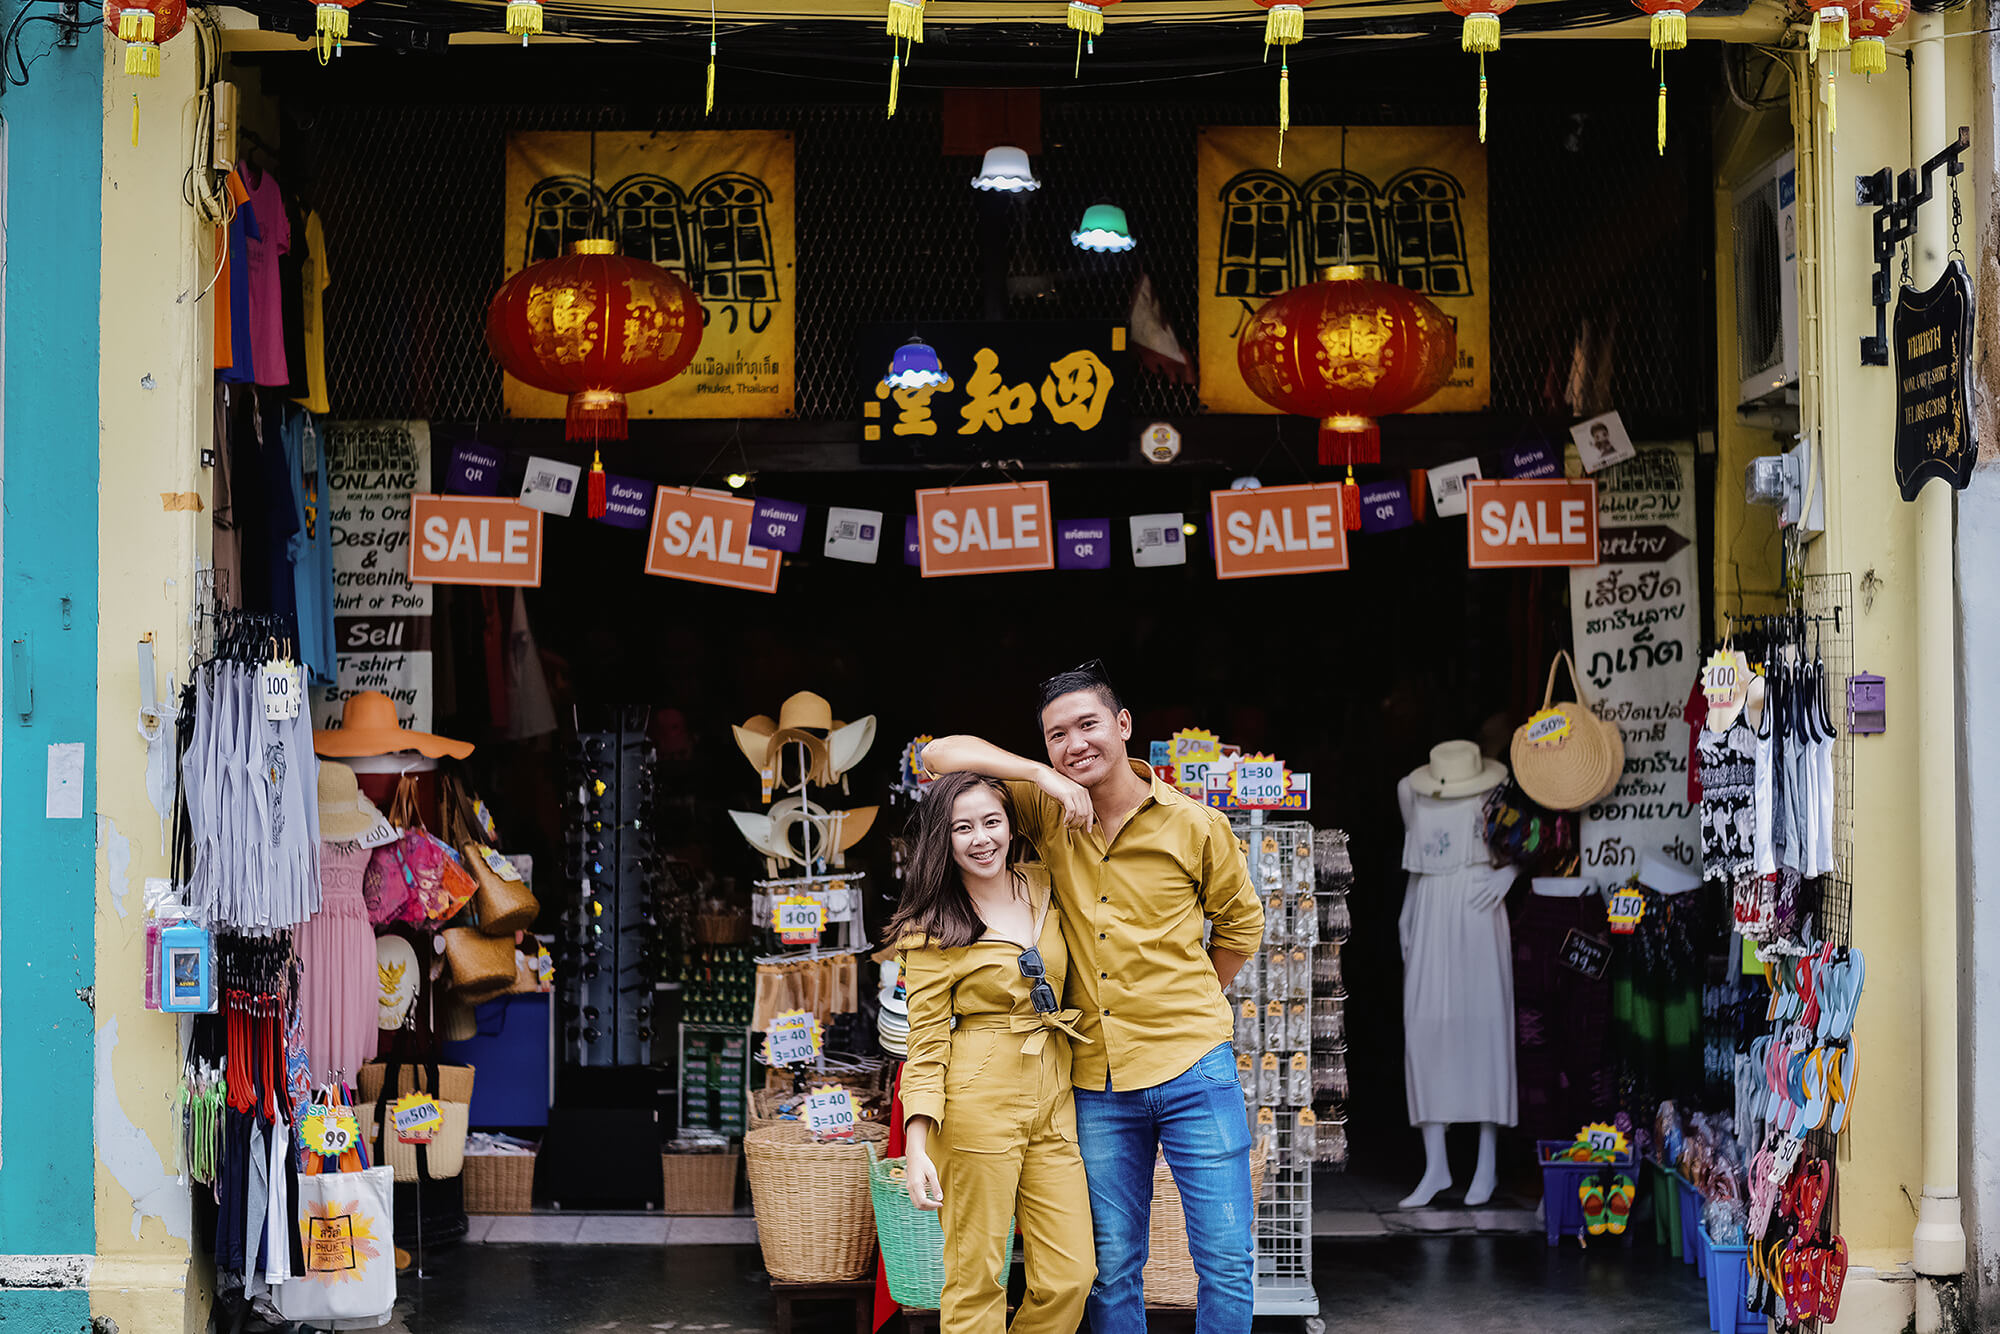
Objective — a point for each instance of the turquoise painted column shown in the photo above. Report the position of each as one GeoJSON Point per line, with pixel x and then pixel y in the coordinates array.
{"type": "Point", "coordinates": [48, 669]}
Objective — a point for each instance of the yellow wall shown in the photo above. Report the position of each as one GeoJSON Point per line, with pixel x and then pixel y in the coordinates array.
{"type": "Point", "coordinates": [1871, 535]}
{"type": "Point", "coordinates": [155, 402]}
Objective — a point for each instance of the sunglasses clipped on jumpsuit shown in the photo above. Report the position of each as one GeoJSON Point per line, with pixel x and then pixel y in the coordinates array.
{"type": "Point", "coordinates": [989, 1062]}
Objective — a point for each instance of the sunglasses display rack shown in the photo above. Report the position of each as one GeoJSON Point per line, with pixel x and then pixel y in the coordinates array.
{"type": "Point", "coordinates": [1333, 876]}
{"type": "Point", "coordinates": [1272, 998]}
{"type": "Point", "coordinates": [613, 936]}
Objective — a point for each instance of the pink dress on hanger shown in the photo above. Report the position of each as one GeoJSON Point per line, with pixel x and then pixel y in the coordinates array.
{"type": "Point", "coordinates": [337, 988]}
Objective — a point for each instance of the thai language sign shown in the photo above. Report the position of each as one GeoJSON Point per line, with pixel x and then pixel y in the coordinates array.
{"type": "Point", "coordinates": [381, 620]}
{"type": "Point", "coordinates": [1636, 618]}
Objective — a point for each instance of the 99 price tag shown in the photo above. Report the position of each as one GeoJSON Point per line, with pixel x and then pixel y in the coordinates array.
{"type": "Point", "coordinates": [830, 1112]}
{"type": "Point", "coordinates": [329, 1131]}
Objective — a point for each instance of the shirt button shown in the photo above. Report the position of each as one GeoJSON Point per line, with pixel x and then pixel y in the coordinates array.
{"type": "Point", "coordinates": [1104, 975]}
{"type": "Point", "coordinates": [1104, 899]}
{"type": "Point", "coordinates": [1107, 1012]}
{"type": "Point", "coordinates": [1100, 935]}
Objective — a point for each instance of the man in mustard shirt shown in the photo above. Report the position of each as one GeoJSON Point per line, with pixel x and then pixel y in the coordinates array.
{"type": "Point", "coordinates": [1139, 868]}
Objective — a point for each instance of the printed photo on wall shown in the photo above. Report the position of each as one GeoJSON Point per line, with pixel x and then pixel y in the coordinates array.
{"type": "Point", "coordinates": [1601, 442]}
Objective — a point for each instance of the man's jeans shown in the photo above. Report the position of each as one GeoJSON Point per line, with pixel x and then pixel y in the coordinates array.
{"type": "Point", "coordinates": [1198, 1119]}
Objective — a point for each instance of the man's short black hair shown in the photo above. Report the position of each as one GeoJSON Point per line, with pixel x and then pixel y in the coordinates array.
{"type": "Point", "coordinates": [1069, 683]}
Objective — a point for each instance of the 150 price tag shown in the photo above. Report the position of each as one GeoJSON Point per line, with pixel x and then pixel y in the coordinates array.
{"type": "Point", "coordinates": [830, 1112]}
{"type": "Point", "coordinates": [1624, 911]}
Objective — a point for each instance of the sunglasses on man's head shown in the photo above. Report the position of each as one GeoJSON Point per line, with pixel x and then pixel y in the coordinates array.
{"type": "Point", "coordinates": [1094, 669]}
{"type": "Point", "coordinates": [1041, 994]}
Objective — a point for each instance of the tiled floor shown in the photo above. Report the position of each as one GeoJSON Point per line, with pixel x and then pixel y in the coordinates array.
{"type": "Point", "coordinates": [1389, 1285]}
{"type": "Point", "coordinates": [575, 1229]}
{"type": "Point", "coordinates": [1354, 1207]}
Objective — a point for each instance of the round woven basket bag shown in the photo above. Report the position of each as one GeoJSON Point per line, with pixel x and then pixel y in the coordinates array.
{"type": "Point", "coordinates": [1565, 756]}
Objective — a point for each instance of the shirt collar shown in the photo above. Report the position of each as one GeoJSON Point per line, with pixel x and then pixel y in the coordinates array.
{"type": "Point", "coordinates": [1156, 790]}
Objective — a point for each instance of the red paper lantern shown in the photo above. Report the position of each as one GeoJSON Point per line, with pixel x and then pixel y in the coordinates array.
{"type": "Point", "coordinates": [1670, 33]}
{"type": "Point", "coordinates": [1347, 349]}
{"type": "Point", "coordinates": [595, 325]}
{"type": "Point", "coordinates": [1868, 31]}
{"type": "Point", "coordinates": [143, 25]}
{"type": "Point", "coordinates": [1480, 33]}
{"type": "Point", "coordinates": [1284, 27]}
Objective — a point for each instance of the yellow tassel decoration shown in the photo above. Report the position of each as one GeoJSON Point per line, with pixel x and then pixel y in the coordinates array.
{"type": "Point", "coordinates": [1481, 33]}
{"type": "Point", "coordinates": [332, 30]}
{"type": "Point", "coordinates": [1482, 97]}
{"type": "Point", "coordinates": [1086, 18]}
{"type": "Point", "coordinates": [524, 17]}
{"type": "Point", "coordinates": [708, 98]}
{"type": "Point", "coordinates": [1663, 115]}
{"type": "Point", "coordinates": [1869, 56]}
{"type": "Point", "coordinates": [1832, 119]}
{"type": "Point", "coordinates": [906, 20]}
{"type": "Point", "coordinates": [1284, 108]}
{"type": "Point", "coordinates": [142, 59]}
{"type": "Point", "coordinates": [895, 79]}
{"type": "Point", "coordinates": [135, 110]}
{"type": "Point", "coordinates": [1284, 25]}
{"type": "Point", "coordinates": [1670, 30]}
{"type": "Point", "coordinates": [135, 25]}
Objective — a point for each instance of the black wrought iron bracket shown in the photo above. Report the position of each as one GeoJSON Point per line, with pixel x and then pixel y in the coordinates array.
{"type": "Point", "coordinates": [1895, 200]}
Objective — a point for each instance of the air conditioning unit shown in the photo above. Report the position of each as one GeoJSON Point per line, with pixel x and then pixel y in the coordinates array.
{"type": "Point", "coordinates": [1767, 283]}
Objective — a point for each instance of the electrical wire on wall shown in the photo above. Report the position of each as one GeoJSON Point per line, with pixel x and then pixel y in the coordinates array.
{"type": "Point", "coordinates": [14, 61]}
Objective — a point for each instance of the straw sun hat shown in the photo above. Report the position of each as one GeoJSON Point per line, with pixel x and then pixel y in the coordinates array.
{"type": "Point", "coordinates": [1565, 756]}
{"type": "Point", "coordinates": [806, 719]}
{"type": "Point", "coordinates": [345, 815]}
{"type": "Point", "coordinates": [1457, 769]}
{"type": "Point", "coordinates": [368, 726]}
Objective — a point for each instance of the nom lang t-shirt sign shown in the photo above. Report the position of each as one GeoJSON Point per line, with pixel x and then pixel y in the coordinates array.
{"type": "Point", "coordinates": [485, 540]}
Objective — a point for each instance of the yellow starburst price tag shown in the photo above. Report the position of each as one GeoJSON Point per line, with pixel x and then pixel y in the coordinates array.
{"type": "Point", "coordinates": [1546, 727]}
{"type": "Point", "coordinates": [798, 919]}
{"type": "Point", "coordinates": [1259, 780]}
{"type": "Point", "coordinates": [792, 1039]}
{"type": "Point", "coordinates": [1195, 745]}
{"type": "Point", "coordinates": [329, 1131]}
{"type": "Point", "coordinates": [416, 1117]}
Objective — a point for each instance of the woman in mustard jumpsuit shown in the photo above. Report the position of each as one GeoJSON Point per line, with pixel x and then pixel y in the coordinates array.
{"type": "Point", "coordinates": [986, 1094]}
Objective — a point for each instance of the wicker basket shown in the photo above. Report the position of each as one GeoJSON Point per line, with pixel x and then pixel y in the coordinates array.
{"type": "Point", "coordinates": [815, 1221]}
{"type": "Point", "coordinates": [699, 1183]}
{"type": "Point", "coordinates": [1169, 1277]}
{"type": "Point", "coordinates": [912, 1239]}
{"type": "Point", "coordinates": [728, 928]}
{"type": "Point", "coordinates": [499, 1183]}
{"type": "Point", "coordinates": [456, 1081]}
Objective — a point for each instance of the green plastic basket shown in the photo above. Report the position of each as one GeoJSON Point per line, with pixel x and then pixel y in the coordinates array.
{"type": "Point", "coordinates": [912, 1238]}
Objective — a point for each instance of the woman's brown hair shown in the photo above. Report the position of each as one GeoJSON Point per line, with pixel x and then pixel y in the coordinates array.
{"type": "Point", "coordinates": [935, 902]}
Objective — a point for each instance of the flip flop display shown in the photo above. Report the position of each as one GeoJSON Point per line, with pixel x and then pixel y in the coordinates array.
{"type": "Point", "coordinates": [1594, 1216]}
{"type": "Point", "coordinates": [1618, 1204]}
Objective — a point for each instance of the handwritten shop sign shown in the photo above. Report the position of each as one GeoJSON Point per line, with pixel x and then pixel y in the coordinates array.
{"type": "Point", "coordinates": [1933, 342]}
{"type": "Point", "coordinates": [1027, 389]}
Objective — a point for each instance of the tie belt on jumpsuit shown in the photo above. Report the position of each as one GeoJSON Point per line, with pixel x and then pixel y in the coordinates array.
{"type": "Point", "coordinates": [1037, 1027]}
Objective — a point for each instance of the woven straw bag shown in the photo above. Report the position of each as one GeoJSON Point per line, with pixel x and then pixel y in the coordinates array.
{"type": "Point", "coordinates": [501, 906]}
{"type": "Point", "coordinates": [815, 1219]}
{"type": "Point", "coordinates": [1565, 756]}
{"type": "Point", "coordinates": [1169, 1277]}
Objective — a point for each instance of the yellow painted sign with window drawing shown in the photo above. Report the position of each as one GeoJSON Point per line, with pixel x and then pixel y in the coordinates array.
{"type": "Point", "coordinates": [713, 206]}
{"type": "Point", "coordinates": [1410, 202]}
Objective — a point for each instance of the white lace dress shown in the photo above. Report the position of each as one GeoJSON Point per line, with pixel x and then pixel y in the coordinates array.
{"type": "Point", "coordinates": [1458, 966]}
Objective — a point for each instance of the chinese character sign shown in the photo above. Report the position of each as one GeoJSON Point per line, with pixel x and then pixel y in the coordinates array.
{"type": "Point", "coordinates": [1036, 390]}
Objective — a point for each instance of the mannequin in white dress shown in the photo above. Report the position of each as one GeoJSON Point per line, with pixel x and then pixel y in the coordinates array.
{"type": "Point", "coordinates": [1458, 974]}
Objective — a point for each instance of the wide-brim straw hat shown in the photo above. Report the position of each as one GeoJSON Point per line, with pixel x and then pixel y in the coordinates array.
{"type": "Point", "coordinates": [1578, 765]}
{"type": "Point", "coordinates": [368, 726]}
{"type": "Point", "coordinates": [832, 747]}
{"type": "Point", "coordinates": [345, 813]}
{"type": "Point", "coordinates": [801, 831]}
{"type": "Point", "coordinates": [1457, 769]}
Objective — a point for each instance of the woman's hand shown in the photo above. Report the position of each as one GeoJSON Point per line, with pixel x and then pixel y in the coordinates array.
{"type": "Point", "coordinates": [921, 1179]}
{"type": "Point", "coordinates": [1074, 798]}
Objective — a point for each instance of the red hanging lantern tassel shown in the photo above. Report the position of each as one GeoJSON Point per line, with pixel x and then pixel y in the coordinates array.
{"type": "Point", "coordinates": [594, 492]}
{"type": "Point", "coordinates": [143, 25]}
{"type": "Point", "coordinates": [1350, 502]}
{"type": "Point", "coordinates": [1480, 33]}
